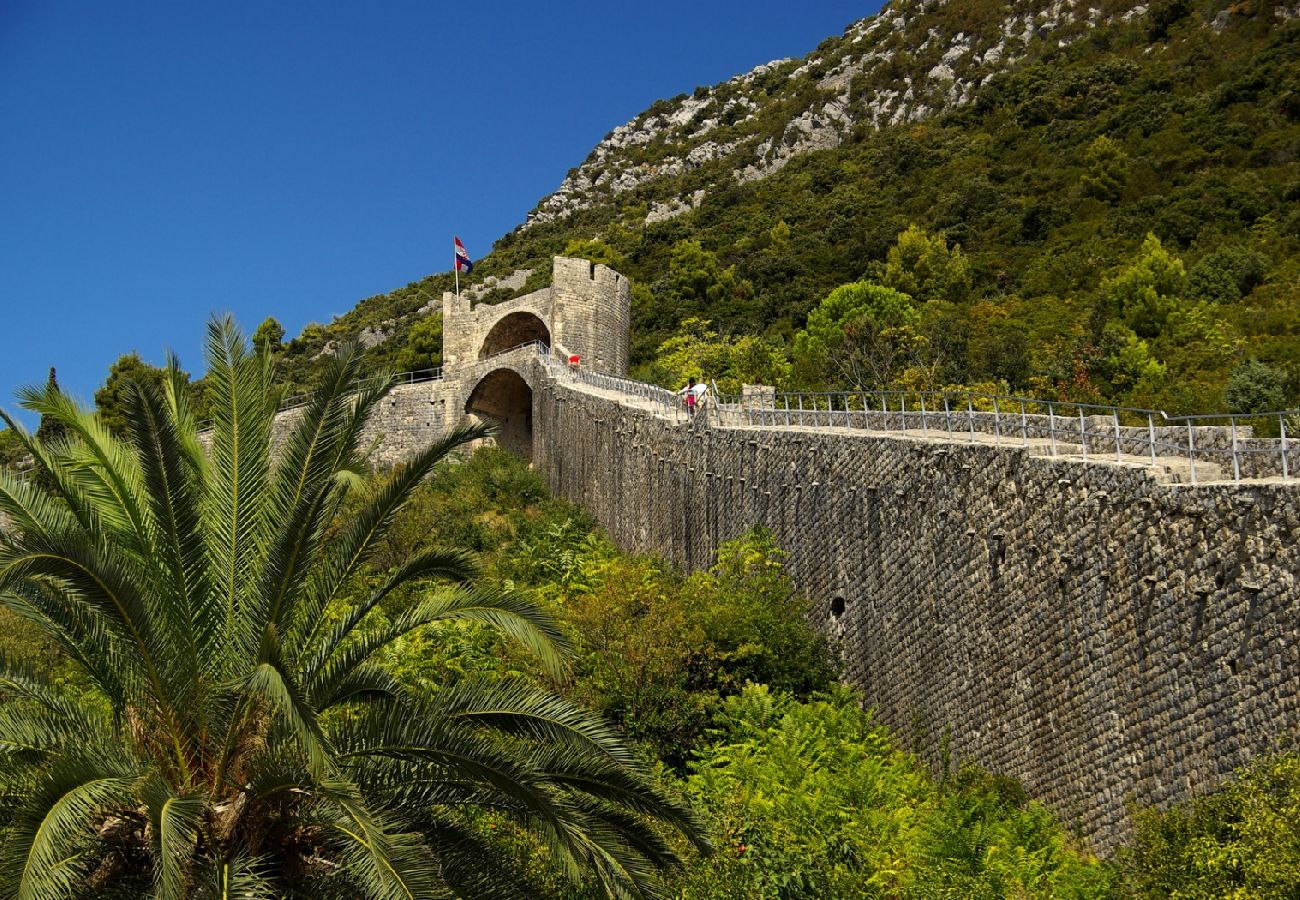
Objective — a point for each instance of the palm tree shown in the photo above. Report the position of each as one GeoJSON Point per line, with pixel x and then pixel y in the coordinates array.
{"type": "Point", "coordinates": [236, 736]}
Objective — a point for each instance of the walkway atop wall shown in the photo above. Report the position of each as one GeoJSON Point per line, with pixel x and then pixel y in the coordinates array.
{"type": "Point", "coordinates": [1186, 450]}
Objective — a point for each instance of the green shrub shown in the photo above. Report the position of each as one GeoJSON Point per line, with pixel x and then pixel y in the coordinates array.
{"type": "Point", "coordinates": [813, 800]}
{"type": "Point", "coordinates": [1240, 841]}
{"type": "Point", "coordinates": [1255, 387]}
{"type": "Point", "coordinates": [659, 651]}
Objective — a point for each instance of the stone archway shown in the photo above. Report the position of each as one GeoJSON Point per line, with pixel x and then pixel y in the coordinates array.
{"type": "Point", "coordinates": [506, 399]}
{"type": "Point", "coordinates": [511, 331]}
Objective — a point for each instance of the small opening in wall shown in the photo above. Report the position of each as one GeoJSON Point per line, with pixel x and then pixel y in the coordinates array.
{"type": "Point", "coordinates": [837, 607]}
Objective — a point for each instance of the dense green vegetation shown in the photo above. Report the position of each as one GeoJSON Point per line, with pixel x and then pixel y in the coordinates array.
{"type": "Point", "coordinates": [229, 730]}
{"type": "Point", "coordinates": [1113, 220]}
{"type": "Point", "coordinates": [1240, 841]}
{"type": "Point", "coordinates": [717, 679]}
{"type": "Point", "coordinates": [805, 797]}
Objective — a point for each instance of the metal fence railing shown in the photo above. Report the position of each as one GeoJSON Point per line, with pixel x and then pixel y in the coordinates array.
{"type": "Point", "coordinates": [1214, 446]}
{"type": "Point", "coordinates": [661, 400]}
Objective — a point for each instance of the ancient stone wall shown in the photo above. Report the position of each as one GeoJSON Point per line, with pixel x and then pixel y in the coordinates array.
{"type": "Point", "coordinates": [585, 312]}
{"type": "Point", "coordinates": [592, 314]}
{"type": "Point", "coordinates": [1085, 627]}
{"type": "Point", "coordinates": [1099, 629]}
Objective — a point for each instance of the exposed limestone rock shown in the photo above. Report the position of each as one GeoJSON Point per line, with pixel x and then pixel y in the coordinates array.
{"type": "Point", "coordinates": [660, 212]}
{"type": "Point", "coordinates": [956, 64]}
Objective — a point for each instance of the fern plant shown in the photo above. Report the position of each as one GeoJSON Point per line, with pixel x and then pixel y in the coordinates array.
{"type": "Point", "coordinates": [234, 740]}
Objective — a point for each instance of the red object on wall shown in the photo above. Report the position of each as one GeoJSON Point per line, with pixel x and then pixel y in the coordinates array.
{"type": "Point", "coordinates": [575, 360]}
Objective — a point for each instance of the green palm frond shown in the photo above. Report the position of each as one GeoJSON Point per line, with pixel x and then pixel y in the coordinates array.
{"type": "Point", "coordinates": [45, 852]}
{"type": "Point", "coordinates": [473, 866]}
{"type": "Point", "coordinates": [29, 509]}
{"type": "Point", "coordinates": [519, 708]}
{"type": "Point", "coordinates": [239, 878]}
{"type": "Point", "coordinates": [455, 565]}
{"type": "Point", "coordinates": [598, 777]}
{"type": "Point", "coordinates": [78, 629]}
{"type": "Point", "coordinates": [363, 682]}
{"type": "Point", "coordinates": [104, 579]}
{"type": "Point", "coordinates": [177, 396]}
{"type": "Point", "coordinates": [99, 464]}
{"type": "Point", "coordinates": [435, 749]}
{"type": "Point", "coordinates": [514, 615]}
{"type": "Point", "coordinates": [193, 621]}
{"type": "Point", "coordinates": [196, 580]}
{"type": "Point", "coordinates": [306, 460]}
{"type": "Point", "coordinates": [175, 820]}
{"type": "Point", "coordinates": [237, 521]}
{"type": "Point", "coordinates": [372, 523]}
{"type": "Point", "coordinates": [36, 719]}
{"type": "Point", "coordinates": [47, 464]}
{"type": "Point", "coordinates": [268, 683]}
{"type": "Point", "coordinates": [386, 864]}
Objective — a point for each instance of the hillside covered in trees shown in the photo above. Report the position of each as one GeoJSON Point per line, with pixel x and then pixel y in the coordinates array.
{"type": "Point", "coordinates": [1084, 203]}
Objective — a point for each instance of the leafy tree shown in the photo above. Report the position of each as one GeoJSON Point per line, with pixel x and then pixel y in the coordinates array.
{"type": "Point", "coordinates": [237, 737]}
{"type": "Point", "coordinates": [1242, 840]}
{"type": "Point", "coordinates": [111, 398]}
{"type": "Point", "coordinates": [11, 448]}
{"type": "Point", "coordinates": [1148, 290]}
{"type": "Point", "coordinates": [50, 432]}
{"type": "Point", "coordinates": [1105, 169]}
{"type": "Point", "coordinates": [696, 282]}
{"type": "Point", "coordinates": [860, 335]}
{"type": "Point", "coordinates": [1128, 364]}
{"type": "Point", "coordinates": [269, 335]}
{"type": "Point", "coordinates": [423, 348]}
{"type": "Point", "coordinates": [1255, 387]}
{"type": "Point", "coordinates": [813, 800]}
{"type": "Point", "coordinates": [698, 352]}
{"type": "Point", "coordinates": [658, 652]}
{"type": "Point", "coordinates": [998, 345]}
{"type": "Point", "coordinates": [596, 251]}
{"type": "Point", "coordinates": [1227, 274]}
{"type": "Point", "coordinates": [922, 266]}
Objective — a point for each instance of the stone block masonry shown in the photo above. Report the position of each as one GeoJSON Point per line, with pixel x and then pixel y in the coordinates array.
{"type": "Point", "coordinates": [1096, 632]}
{"type": "Point", "coordinates": [1095, 629]}
{"type": "Point", "coordinates": [585, 312]}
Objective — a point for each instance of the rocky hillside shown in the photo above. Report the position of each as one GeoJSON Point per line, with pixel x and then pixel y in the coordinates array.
{"type": "Point", "coordinates": [907, 64]}
{"type": "Point", "coordinates": [1037, 144]}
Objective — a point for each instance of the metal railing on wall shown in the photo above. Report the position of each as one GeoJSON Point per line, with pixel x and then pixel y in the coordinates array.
{"type": "Point", "coordinates": [1214, 447]}
{"type": "Point", "coordinates": [660, 400]}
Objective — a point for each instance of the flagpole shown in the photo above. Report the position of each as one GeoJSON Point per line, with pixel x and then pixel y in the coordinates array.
{"type": "Point", "coordinates": [456, 268]}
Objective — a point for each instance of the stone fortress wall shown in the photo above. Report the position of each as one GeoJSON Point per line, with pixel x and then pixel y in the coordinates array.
{"type": "Point", "coordinates": [585, 312]}
{"type": "Point", "coordinates": [1098, 632]}
{"type": "Point", "coordinates": [1096, 629]}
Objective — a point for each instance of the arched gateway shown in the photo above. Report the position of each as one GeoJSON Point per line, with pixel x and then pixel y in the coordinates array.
{"type": "Point", "coordinates": [514, 330]}
{"type": "Point", "coordinates": [504, 397]}
{"type": "Point", "coordinates": [584, 313]}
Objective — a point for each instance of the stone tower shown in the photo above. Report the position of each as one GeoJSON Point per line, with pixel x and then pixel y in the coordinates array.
{"type": "Point", "coordinates": [586, 312]}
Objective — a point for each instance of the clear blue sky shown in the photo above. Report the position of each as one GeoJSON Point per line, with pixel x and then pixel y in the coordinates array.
{"type": "Point", "coordinates": [161, 161]}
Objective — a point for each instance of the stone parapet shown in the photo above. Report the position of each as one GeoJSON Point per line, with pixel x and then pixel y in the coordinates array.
{"type": "Point", "coordinates": [1097, 632]}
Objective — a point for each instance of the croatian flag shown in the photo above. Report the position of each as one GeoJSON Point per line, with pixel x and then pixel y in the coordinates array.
{"type": "Point", "coordinates": [463, 263]}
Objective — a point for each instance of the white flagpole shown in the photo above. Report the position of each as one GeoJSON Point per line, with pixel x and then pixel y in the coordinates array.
{"type": "Point", "coordinates": [456, 268]}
